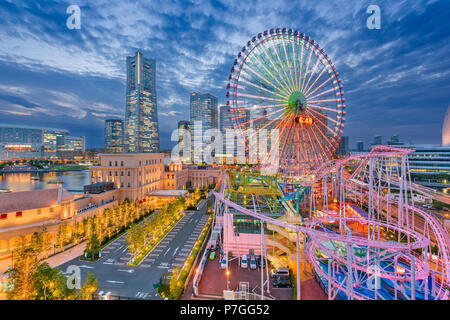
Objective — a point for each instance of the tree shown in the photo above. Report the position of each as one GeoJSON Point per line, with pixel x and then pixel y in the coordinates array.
{"type": "Point", "coordinates": [175, 285]}
{"type": "Point", "coordinates": [47, 281]}
{"type": "Point", "coordinates": [88, 289]}
{"type": "Point", "coordinates": [135, 239]}
{"type": "Point", "coordinates": [208, 205]}
{"type": "Point", "coordinates": [25, 265]}
{"type": "Point", "coordinates": [93, 246]}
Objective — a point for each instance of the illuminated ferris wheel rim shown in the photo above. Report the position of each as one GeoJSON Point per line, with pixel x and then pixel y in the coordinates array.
{"type": "Point", "coordinates": [298, 96]}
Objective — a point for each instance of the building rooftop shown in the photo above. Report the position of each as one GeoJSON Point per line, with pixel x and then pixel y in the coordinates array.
{"type": "Point", "coordinates": [34, 199]}
{"type": "Point", "coordinates": [130, 154]}
{"type": "Point", "coordinates": [167, 193]}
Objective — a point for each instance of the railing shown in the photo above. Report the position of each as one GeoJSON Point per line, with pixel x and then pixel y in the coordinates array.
{"type": "Point", "coordinates": [93, 206]}
{"type": "Point", "coordinates": [199, 271]}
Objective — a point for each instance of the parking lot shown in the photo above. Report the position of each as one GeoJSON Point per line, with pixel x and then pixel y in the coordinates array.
{"type": "Point", "coordinates": [214, 280]}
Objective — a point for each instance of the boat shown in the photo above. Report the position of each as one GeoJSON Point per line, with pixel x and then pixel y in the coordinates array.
{"type": "Point", "coordinates": [5, 190]}
{"type": "Point", "coordinates": [35, 178]}
{"type": "Point", "coordinates": [55, 181]}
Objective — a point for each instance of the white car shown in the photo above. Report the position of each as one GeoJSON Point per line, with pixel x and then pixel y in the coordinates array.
{"type": "Point", "coordinates": [223, 263]}
{"type": "Point", "coordinates": [244, 261]}
{"type": "Point", "coordinates": [252, 262]}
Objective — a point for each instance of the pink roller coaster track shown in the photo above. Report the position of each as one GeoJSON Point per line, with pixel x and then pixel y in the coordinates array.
{"type": "Point", "coordinates": [417, 239]}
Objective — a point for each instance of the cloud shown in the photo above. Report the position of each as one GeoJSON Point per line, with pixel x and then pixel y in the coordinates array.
{"type": "Point", "coordinates": [76, 78]}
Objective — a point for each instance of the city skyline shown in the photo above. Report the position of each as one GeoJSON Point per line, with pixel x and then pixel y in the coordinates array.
{"type": "Point", "coordinates": [76, 79]}
{"type": "Point", "coordinates": [228, 151]}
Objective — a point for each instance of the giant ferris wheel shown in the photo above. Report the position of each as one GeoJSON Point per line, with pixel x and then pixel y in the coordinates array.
{"type": "Point", "coordinates": [284, 83]}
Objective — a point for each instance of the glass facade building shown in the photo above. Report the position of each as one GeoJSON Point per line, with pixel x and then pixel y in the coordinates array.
{"type": "Point", "coordinates": [22, 142]}
{"type": "Point", "coordinates": [113, 136]}
{"type": "Point", "coordinates": [141, 116]}
{"type": "Point", "coordinates": [53, 139]}
{"type": "Point", "coordinates": [204, 113]}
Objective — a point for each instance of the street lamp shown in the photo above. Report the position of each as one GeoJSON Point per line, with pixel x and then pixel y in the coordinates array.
{"type": "Point", "coordinates": [228, 281]}
{"type": "Point", "coordinates": [92, 292]}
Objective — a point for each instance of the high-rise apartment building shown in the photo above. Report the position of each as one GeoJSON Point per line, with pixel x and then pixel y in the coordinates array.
{"type": "Point", "coordinates": [141, 115]}
{"type": "Point", "coordinates": [204, 116]}
{"type": "Point", "coordinates": [113, 136]}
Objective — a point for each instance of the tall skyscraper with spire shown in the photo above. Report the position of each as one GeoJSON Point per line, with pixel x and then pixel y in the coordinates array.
{"type": "Point", "coordinates": [141, 114]}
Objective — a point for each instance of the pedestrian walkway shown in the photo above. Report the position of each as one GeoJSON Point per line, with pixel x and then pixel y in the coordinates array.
{"type": "Point", "coordinates": [67, 255]}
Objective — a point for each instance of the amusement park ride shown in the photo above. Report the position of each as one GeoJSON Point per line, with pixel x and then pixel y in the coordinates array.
{"type": "Point", "coordinates": [353, 219]}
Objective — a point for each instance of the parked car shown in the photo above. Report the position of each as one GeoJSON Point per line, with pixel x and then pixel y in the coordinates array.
{"type": "Point", "coordinates": [252, 262]}
{"type": "Point", "coordinates": [244, 261]}
{"type": "Point", "coordinates": [280, 272]}
{"type": "Point", "coordinates": [223, 263]}
{"type": "Point", "coordinates": [282, 282]}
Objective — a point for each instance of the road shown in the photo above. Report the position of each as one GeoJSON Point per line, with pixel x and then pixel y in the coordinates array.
{"type": "Point", "coordinates": [137, 282]}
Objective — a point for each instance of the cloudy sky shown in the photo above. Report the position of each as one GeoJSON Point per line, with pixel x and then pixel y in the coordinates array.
{"type": "Point", "coordinates": [396, 79]}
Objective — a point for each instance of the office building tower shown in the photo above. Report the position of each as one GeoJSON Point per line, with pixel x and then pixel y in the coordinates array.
{"type": "Point", "coordinates": [343, 148]}
{"type": "Point", "coordinates": [377, 140]}
{"type": "Point", "coordinates": [226, 123]}
{"type": "Point", "coordinates": [51, 138]}
{"type": "Point", "coordinates": [204, 116]}
{"type": "Point", "coordinates": [360, 146]}
{"type": "Point", "coordinates": [113, 136]}
{"type": "Point", "coordinates": [141, 115]}
{"type": "Point", "coordinates": [395, 140]}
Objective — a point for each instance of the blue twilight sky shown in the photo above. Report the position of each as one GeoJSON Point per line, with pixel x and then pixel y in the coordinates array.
{"type": "Point", "coordinates": [396, 80]}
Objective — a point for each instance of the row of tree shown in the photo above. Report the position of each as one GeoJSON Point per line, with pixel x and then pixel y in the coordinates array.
{"type": "Point", "coordinates": [102, 227]}
{"type": "Point", "coordinates": [144, 235]}
{"type": "Point", "coordinates": [111, 222]}
{"type": "Point", "coordinates": [33, 280]}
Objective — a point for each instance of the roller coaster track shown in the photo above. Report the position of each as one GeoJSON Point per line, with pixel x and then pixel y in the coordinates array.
{"type": "Point", "coordinates": [417, 240]}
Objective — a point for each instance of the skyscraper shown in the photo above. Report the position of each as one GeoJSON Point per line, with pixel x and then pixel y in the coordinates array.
{"type": "Point", "coordinates": [226, 122]}
{"type": "Point", "coordinates": [225, 117]}
{"type": "Point", "coordinates": [343, 149]}
{"type": "Point", "coordinates": [446, 129]}
{"type": "Point", "coordinates": [377, 140]}
{"type": "Point", "coordinates": [141, 115]}
{"type": "Point", "coordinates": [360, 146]}
{"type": "Point", "coordinates": [395, 140]}
{"type": "Point", "coordinates": [113, 136]}
{"type": "Point", "coordinates": [204, 113]}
